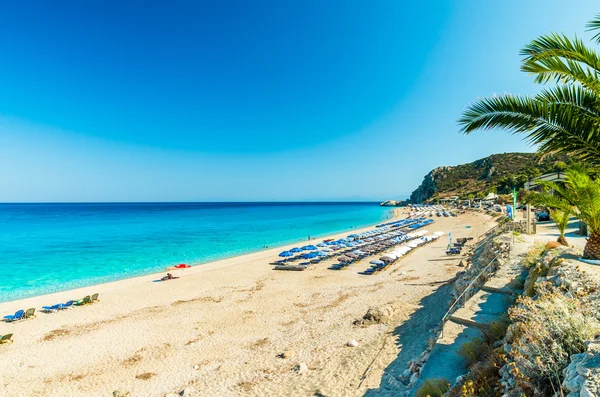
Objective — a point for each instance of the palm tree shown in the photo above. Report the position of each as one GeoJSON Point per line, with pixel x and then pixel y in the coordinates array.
{"type": "Point", "coordinates": [560, 209]}
{"type": "Point", "coordinates": [579, 193]}
{"type": "Point", "coordinates": [561, 219]}
{"type": "Point", "coordinates": [564, 118]}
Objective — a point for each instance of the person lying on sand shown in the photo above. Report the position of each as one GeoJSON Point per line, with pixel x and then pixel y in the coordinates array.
{"type": "Point", "coordinates": [169, 276]}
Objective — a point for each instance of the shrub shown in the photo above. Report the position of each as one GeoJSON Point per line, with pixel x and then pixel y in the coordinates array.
{"type": "Point", "coordinates": [472, 351]}
{"type": "Point", "coordinates": [552, 245]}
{"type": "Point", "coordinates": [547, 330]}
{"type": "Point", "coordinates": [496, 330]}
{"type": "Point", "coordinates": [533, 254]}
{"type": "Point", "coordinates": [482, 380]}
{"type": "Point", "coordinates": [434, 388]}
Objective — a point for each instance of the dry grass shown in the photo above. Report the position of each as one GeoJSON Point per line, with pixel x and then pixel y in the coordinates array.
{"type": "Point", "coordinates": [246, 386]}
{"type": "Point", "coordinates": [146, 376]}
{"type": "Point", "coordinates": [132, 360]}
{"type": "Point", "coordinates": [260, 343]}
{"type": "Point", "coordinates": [338, 301]}
{"type": "Point", "coordinates": [57, 333]}
{"type": "Point", "coordinates": [552, 245]}
{"type": "Point", "coordinates": [210, 299]}
{"type": "Point", "coordinates": [434, 388]}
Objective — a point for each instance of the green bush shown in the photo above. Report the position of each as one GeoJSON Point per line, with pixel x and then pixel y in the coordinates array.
{"type": "Point", "coordinates": [434, 388]}
{"type": "Point", "coordinates": [472, 351]}
{"type": "Point", "coordinates": [496, 330]}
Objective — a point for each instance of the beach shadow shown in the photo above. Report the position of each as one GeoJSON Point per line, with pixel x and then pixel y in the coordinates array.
{"type": "Point", "coordinates": [445, 360]}
{"type": "Point", "coordinates": [412, 336]}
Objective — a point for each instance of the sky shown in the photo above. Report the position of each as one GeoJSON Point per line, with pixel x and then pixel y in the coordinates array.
{"type": "Point", "coordinates": [254, 101]}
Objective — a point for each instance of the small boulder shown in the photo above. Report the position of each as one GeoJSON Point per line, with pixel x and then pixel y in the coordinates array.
{"type": "Point", "coordinates": [352, 343]}
{"type": "Point", "coordinates": [196, 366]}
{"type": "Point", "coordinates": [301, 368]}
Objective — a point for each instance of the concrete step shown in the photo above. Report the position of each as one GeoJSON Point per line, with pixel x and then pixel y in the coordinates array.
{"type": "Point", "coordinates": [502, 290]}
{"type": "Point", "coordinates": [465, 322]}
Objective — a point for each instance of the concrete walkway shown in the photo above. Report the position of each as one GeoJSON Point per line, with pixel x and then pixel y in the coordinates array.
{"type": "Point", "coordinates": [486, 306]}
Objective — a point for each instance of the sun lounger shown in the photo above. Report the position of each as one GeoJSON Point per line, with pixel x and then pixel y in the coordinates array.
{"type": "Point", "coordinates": [6, 338]}
{"type": "Point", "coordinates": [53, 308]}
{"type": "Point", "coordinates": [84, 301]}
{"type": "Point", "coordinates": [30, 313]}
{"type": "Point", "coordinates": [19, 315]}
{"type": "Point", "coordinates": [67, 305]}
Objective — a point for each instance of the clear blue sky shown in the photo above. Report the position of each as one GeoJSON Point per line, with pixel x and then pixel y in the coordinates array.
{"type": "Point", "coordinates": [278, 100]}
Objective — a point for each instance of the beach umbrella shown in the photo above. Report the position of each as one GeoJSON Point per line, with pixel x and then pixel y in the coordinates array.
{"type": "Point", "coordinates": [378, 263]}
{"type": "Point", "coordinates": [295, 249]}
{"type": "Point", "coordinates": [351, 255]}
{"type": "Point", "coordinates": [182, 266]}
{"type": "Point", "coordinates": [322, 245]}
{"type": "Point", "coordinates": [344, 259]}
{"type": "Point", "coordinates": [309, 248]}
{"type": "Point", "coordinates": [322, 253]}
{"type": "Point", "coordinates": [309, 255]}
{"type": "Point", "coordinates": [286, 254]}
{"type": "Point", "coordinates": [326, 250]}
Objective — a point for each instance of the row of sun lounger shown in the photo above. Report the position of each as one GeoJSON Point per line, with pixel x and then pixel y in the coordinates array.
{"type": "Point", "coordinates": [62, 306]}
{"type": "Point", "coordinates": [30, 313]}
{"type": "Point", "coordinates": [347, 248]}
{"type": "Point", "coordinates": [386, 260]}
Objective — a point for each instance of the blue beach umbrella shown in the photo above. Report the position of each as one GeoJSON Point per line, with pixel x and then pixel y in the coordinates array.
{"type": "Point", "coordinates": [295, 249]}
{"type": "Point", "coordinates": [286, 254]}
{"type": "Point", "coordinates": [322, 245]}
{"type": "Point", "coordinates": [309, 248]}
{"type": "Point", "coordinates": [321, 253]}
{"type": "Point", "coordinates": [309, 255]}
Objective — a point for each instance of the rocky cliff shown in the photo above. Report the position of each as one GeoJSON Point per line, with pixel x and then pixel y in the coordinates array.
{"type": "Point", "coordinates": [498, 173]}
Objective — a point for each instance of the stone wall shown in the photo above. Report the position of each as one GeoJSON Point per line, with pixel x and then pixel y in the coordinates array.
{"type": "Point", "coordinates": [562, 313]}
{"type": "Point", "coordinates": [582, 376]}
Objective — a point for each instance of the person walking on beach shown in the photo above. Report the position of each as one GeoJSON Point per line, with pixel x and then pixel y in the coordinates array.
{"type": "Point", "coordinates": [309, 237]}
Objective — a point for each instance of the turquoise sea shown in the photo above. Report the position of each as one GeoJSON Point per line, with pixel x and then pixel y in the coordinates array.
{"type": "Point", "coordinates": [46, 248]}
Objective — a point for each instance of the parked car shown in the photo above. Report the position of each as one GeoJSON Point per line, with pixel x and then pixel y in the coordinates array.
{"type": "Point", "coordinates": [542, 216]}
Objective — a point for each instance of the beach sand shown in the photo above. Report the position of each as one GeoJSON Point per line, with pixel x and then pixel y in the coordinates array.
{"type": "Point", "coordinates": [219, 329]}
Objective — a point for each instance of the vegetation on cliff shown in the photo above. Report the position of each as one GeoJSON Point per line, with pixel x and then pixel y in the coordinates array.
{"type": "Point", "coordinates": [498, 173]}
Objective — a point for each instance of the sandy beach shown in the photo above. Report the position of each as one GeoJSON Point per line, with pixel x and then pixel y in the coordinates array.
{"type": "Point", "coordinates": [221, 328]}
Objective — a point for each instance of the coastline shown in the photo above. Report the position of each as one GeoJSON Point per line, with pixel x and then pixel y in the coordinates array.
{"type": "Point", "coordinates": [38, 301]}
{"type": "Point", "coordinates": [235, 328]}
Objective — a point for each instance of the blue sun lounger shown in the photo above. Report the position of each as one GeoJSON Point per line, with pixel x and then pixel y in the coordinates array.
{"type": "Point", "coordinates": [53, 308]}
{"type": "Point", "coordinates": [19, 315]}
{"type": "Point", "coordinates": [67, 305]}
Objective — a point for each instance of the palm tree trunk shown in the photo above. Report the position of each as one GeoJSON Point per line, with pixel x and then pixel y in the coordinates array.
{"type": "Point", "coordinates": [592, 247]}
{"type": "Point", "coordinates": [562, 240]}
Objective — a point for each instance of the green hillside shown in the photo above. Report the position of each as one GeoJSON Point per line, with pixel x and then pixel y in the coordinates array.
{"type": "Point", "coordinates": [498, 173]}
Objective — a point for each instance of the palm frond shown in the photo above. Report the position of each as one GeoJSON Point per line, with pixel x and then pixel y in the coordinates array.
{"type": "Point", "coordinates": [556, 57]}
{"type": "Point", "coordinates": [594, 25]}
{"type": "Point", "coordinates": [567, 124]}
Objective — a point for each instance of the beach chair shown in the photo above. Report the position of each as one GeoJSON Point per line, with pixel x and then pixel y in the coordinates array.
{"type": "Point", "coordinates": [53, 308]}
{"type": "Point", "coordinates": [94, 298]}
{"type": "Point", "coordinates": [30, 313]}
{"type": "Point", "coordinates": [6, 338]}
{"type": "Point", "coordinates": [19, 315]}
{"type": "Point", "coordinates": [84, 301]}
{"type": "Point", "coordinates": [67, 305]}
